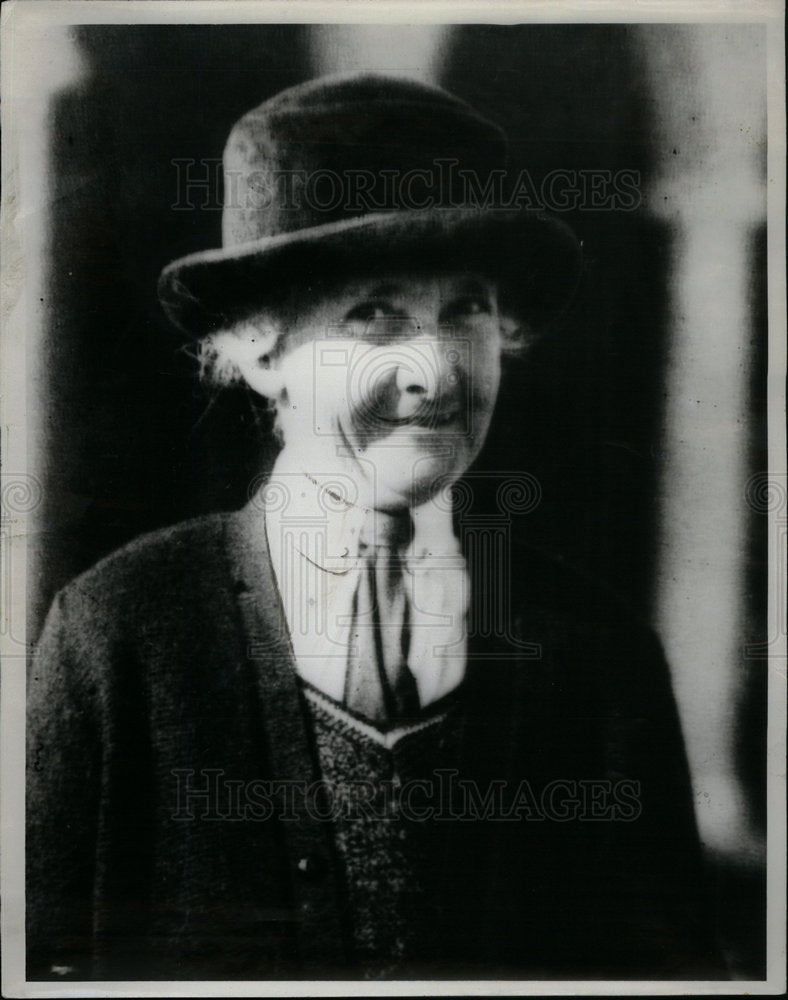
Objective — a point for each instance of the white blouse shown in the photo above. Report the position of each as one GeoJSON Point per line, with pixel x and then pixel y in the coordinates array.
{"type": "Point", "coordinates": [313, 539]}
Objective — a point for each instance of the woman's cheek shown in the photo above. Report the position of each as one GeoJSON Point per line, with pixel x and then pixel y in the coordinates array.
{"type": "Point", "coordinates": [333, 413]}
{"type": "Point", "coordinates": [487, 378]}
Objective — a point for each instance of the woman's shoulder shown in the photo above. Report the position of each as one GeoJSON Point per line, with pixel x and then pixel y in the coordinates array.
{"type": "Point", "coordinates": [156, 568]}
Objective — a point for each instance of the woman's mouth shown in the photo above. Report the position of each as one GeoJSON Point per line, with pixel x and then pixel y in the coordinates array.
{"type": "Point", "coordinates": [439, 418]}
{"type": "Point", "coordinates": [428, 416]}
{"type": "Point", "coordinates": [427, 419]}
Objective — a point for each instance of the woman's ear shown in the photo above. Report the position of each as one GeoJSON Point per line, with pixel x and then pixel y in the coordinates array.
{"type": "Point", "coordinates": [516, 335]}
{"type": "Point", "coordinates": [255, 362]}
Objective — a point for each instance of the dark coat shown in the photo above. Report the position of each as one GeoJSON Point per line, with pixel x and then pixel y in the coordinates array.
{"type": "Point", "coordinates": [171, 655]}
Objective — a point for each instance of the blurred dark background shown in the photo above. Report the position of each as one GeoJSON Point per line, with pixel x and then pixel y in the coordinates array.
{"type": "Point", "coordinates": [131, 442]}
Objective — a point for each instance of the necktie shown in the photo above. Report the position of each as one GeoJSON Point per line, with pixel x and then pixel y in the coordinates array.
{"type": "Point", "coordinates": [378, 684]}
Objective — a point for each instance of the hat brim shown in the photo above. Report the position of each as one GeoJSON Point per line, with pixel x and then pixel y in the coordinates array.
{"type": "Point", "coordinates": [535, 258]}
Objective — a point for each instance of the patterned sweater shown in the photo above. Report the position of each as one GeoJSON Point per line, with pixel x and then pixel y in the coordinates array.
{"type": "Point", "coordinates": [370, 779]}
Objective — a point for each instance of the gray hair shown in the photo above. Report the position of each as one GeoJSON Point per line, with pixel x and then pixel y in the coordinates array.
{"type": "Point", "coordinates": [220, 355]}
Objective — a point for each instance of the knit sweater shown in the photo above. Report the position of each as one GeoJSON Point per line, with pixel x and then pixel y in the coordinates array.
{"type": "Point", "coordinates": [370, 776]}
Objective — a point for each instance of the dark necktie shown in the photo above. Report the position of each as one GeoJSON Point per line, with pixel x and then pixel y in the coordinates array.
{"type": "Point", "coordinates": [378, 684]}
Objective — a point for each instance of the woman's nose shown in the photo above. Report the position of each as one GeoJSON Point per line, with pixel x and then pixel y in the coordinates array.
{"type": "Point", "coordinates": [425, 375]}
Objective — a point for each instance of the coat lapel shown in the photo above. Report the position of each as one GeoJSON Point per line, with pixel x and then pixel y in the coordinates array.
{"type": "Point", "coordinates": [268, 649]}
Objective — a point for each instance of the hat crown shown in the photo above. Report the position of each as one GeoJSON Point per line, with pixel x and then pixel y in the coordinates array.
{"type": "Point", "coordinates": [360, 173]}
{"type": "Point", "coordinates": [344, 146]}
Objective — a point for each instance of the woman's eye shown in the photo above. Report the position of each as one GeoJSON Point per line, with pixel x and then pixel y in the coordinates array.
{"type": "Point", "coordinates": [369, 312]}
{"type": "Point", "coordinates": [467, 306]}
{"type": "Point", "coordinates": [380, 320]}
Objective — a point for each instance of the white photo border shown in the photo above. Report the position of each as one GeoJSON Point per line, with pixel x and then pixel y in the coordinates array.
{"type": "Point", "coordinates": [27, 28]}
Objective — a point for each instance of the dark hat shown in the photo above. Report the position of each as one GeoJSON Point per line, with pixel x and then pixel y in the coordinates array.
{"type": "Point", "coordinates": [349, 174]}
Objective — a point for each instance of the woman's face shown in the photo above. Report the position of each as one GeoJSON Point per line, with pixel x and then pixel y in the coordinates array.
{"type": "Point", "coordinates": [392, 380]}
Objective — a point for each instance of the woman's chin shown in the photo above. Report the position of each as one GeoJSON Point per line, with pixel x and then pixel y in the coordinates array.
{"type": "Point", "coordinates": [409, 469]}
{"type": "Point", "coordinates": [415, 484]}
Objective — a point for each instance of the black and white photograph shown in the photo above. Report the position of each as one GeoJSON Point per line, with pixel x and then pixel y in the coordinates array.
{"type": "Point", "coordinates": [394, 503]}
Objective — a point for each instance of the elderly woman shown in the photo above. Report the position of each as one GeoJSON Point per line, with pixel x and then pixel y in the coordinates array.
{"type": "Point", "coordinates": [276, 743]}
